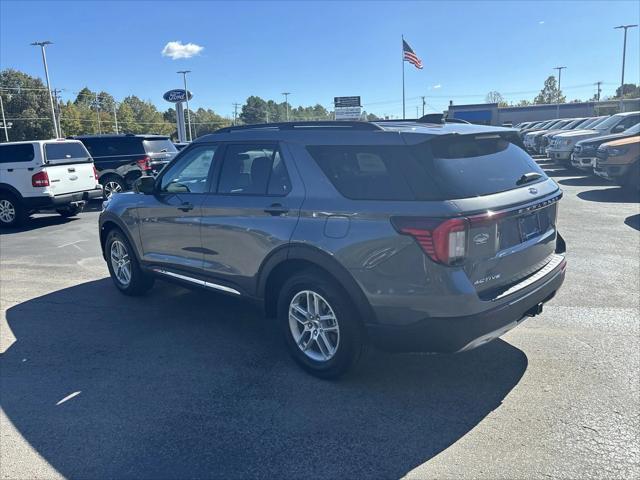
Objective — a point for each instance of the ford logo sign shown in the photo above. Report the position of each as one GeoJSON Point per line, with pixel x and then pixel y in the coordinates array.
{"type": "Point", "coordinates": [177, 95]}
{"type": "Point", "coordinates": [533, 191]}
{"type": "Point", "coordinates": [480, 238]}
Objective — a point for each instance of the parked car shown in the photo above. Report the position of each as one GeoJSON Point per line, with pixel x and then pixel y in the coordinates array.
{"type": "Point", "coordinates": [121, 159]}
{"type": "Point", "coordinates": [564, 143]}
{"type": "Point", "coordinates": [43, 175]}
{"type": "Point", "coordinates": [350, 233]}
{"type": "Point", "coordinates": [542, 142]}
{"type": "Point", "coordinates": [584, 155]}
{"type": "Point", "coordinates": [534, 138]}
{"type": "Point", "coordinates": [533, 127]}
{"type": "Point", "coordinates": [619, 161]}
{"type": "Point", "coordinates": [528, 139]}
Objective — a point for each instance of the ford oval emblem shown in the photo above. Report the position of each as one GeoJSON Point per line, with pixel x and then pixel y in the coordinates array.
{"type": "Point", "coordinates": [177, 95]}
{"type": "Point", "coordinates": [480, 238]}
{"type": "Point", "coordinates": [533, 191]}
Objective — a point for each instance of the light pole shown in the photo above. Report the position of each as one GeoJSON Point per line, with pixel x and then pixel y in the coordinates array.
{"type": "Point", "coordinates": [558, 95]}
{"type": "Point", "coordinates": [4, 121]}
{"type": "Point", "coordinates": [42, 46]}
{"type": "Point", "coordinates": [286, 102]}
{"type": "Point", "coordinates": [186, 93]}
{"type": "Point", "coordinates": [624, 55]}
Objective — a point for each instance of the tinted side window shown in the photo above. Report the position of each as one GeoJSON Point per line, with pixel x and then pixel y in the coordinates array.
{"type": "Point", "coordinates": [631, 120]}
{"type": "Point", "coordinates": [16, 153]}
{"type": "Point", "coordinates": [114, 146]}
{"type": "Point", "coordinates": [253, 170]}
{"type": "Point", "coordinates": [370, 172]}
{"type": "Point", "coordinates": [189, 174]}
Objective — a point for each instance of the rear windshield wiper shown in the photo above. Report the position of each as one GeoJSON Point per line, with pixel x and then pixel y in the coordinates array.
{"type": "Point", "coordinates": [528, 177]}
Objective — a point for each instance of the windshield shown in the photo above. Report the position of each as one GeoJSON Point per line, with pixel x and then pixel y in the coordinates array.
{"type": "Point", "coordinates": [572, 124]}
{"type": "Point", "coordinates": [633, 130]}
{"type": "Point", "coordinates": [608, 123]}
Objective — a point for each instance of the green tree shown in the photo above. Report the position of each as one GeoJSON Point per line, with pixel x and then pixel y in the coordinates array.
{"type": "Point", "coordinates": [70, 120]}
{"type": "Point", "coordinates": [254, 111]}
{"type": "Point", "coordinates": [26, 105]}
{"type": "Point", "coordinates": [630, 90]}
{"type": "Point", "coordinates": [550, 93]}
{"type": "Point", "coordinates": [523, 103]}
{"type": "Point", "coordinates": [126, 119]}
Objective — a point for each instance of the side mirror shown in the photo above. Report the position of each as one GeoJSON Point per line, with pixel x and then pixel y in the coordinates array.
{"type": "Point", "coordinates": [145, 185]}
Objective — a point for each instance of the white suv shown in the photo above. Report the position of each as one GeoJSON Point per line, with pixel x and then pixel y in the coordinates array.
{"type": "Point", "coordinates": [45, 175]}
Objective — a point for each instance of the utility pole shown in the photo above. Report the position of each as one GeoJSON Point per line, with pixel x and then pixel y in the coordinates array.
{"type": "Point", "coordinates": [115, 116]}
{"type": "Point", "coordinates": [624, 55]}
{"type": "Point", "coordinates": [186, 94]}
{"type": "Point", "coordinates": [558, 95]}
{"type": "Point", "coordinates": [4, 121]}
{"type": "Point", "coordinates": [56, 100]}
{"type": "Point", "coordinates": [98, 114]}
{"type": "Point", "coordinates": [286, 102]}
{"type": "Point", "coordinates": [42, 46]}
{"type": "Point", "coordinates": [235, 112]}
{"type": "Point", "coordinates": [417, 111]}
{"type": "Point", "coordinates": [599, 90]}
{"type": "Point", "coordinates": [423, 104]}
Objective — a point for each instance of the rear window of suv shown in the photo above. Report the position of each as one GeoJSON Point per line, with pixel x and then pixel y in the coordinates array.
{"type": "Point", "coordinates": [65, 151]}
{"type": "Point", "coordinates": [160, 145]}
{"type": "Point", "coordinates": [441, 169]}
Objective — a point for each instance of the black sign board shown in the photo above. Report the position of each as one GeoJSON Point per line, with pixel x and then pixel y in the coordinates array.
{"type": "Point", "coordinates": [346, 102]}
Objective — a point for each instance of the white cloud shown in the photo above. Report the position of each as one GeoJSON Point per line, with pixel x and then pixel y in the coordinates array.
{"type": "Point", "coordinates": [435, 87]}
{"type": "Point", "coordinates": [176, 50]}
{"type": "Point", "coordinates": [541, 22]}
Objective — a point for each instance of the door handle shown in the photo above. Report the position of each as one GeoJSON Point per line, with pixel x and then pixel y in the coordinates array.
{"type": "Point", "coordinates": [276, 209]}
{"type": "Point", "coordinates": [186, 206]}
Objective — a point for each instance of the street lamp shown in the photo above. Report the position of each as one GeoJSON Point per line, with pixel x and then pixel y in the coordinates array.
{"type": "Point", "coordinates": [42, 46]}
{"type": "Point", "coordinates": [558, 95]}
{"type": "Point", "coordinates": [186, 94]}
{"type": "Point", "coordinates": [286, 102]}
{"type": "Point", "coordinates": [624, 55]}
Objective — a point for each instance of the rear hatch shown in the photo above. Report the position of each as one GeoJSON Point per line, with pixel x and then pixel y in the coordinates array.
{"type": "Point", "coordinates": [160, 151]}
{"type": "Point", "coordinates": [69, 167]}
{"type": "Point", "coordinates": [507, 203]}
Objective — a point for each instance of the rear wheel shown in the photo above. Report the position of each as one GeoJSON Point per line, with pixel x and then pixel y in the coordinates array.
{"type": "Point", "coordinates": [70, 211]}
{"type": "Point", "coordinates": [12, 213]}
{"type": "Point", "coordinates": [112, 184]}
{"type": "Point", "coordinates": [123, 266]}
{"type": "Point", "coordinates": [321, 328]}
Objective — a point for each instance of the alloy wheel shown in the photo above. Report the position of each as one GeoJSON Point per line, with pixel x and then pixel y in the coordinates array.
{"type": "Point", "coordinates": [314, 325]}
{"type": "Point", "coordinates": [112, 187]}
{"type": "Point", "coordinates": [121, 263]}
{"type": "Point", "coordinates": [7, 211]}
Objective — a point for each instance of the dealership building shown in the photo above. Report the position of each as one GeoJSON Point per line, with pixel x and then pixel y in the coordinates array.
{"type": "Point", "coordinates": [492, 114]}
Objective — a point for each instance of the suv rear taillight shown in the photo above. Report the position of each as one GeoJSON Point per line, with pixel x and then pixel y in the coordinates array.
{"type": "Point", "coordinates": [144, 163]}
{"type": "Point", "coordinates": [40, 179]}
{"type": "Point", "coordinates": [95, 173]}
{"type": "Point", "coordinates": [443, 240]}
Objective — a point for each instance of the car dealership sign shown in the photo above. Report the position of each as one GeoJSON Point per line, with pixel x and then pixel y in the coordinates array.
{"type": "Point", "coordinates": [177, 95]}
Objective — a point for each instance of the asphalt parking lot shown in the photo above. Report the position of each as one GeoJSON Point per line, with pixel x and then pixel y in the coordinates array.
{"type": "Point", "coordinates": [184, 383]}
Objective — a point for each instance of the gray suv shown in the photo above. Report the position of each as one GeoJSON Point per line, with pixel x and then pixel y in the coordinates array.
{"type": "Point", "coordinates": [402, 235]}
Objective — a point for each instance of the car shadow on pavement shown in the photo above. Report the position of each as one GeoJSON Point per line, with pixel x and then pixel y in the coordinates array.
{"type": "Point", "coordinates": [36, 223]}
{"type": "Point", "coordinates": [588, 181]}
{"type": "Point", "coordinates": [184, 383]}
{"type": "Point", "coordinates": [609, 195]}
{"type": "Point", "coordinates": [633, 221]}
{"type": "Point", "coordinates": [93, 206]}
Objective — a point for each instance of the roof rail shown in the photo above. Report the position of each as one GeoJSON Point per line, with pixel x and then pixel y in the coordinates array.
{"type": "Point", "coordinates": [338, 124]}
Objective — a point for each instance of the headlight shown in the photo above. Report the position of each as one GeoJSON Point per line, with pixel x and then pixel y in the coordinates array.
{"type": "Point", "coordinates": [566, 142]}
{"type": "Point", "coordinates": [617, 151]}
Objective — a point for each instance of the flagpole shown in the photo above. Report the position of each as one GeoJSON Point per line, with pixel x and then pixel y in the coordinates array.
{"type": "Point", "coordinates": [403, 113]}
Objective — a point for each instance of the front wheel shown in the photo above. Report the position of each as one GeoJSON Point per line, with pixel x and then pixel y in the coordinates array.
{"type": "Point", "coordinates": [321, 328]}
{"type": "Point", "coordinates": [123, 266]}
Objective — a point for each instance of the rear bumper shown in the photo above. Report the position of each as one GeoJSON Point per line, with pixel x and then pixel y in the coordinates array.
{"type": "Point", "coordinates": [455, 334]}
{"type": "Point", "coordinates": [57, 201]}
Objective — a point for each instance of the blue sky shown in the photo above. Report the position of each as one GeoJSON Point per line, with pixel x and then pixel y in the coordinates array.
{"type": "Point", "coordinates": [318, 50]}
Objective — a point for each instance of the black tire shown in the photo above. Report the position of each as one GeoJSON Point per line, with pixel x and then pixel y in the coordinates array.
{"type": "Point", "coordinates": [12, 212]}
{"type": "Point", "coordinates": [70, 211]}
{"type": "Point", "coordinates": [140, 282]}
{"type": "Point", "coordinates": [631, 184]}
{"type": "Point", "coordinates": [352, 343]}
{"type": "Point", "coordinates": [112, 184]}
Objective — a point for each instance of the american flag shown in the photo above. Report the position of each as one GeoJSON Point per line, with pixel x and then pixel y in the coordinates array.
{"type": "Point", "coordinates": [410, 56]}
